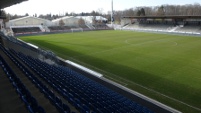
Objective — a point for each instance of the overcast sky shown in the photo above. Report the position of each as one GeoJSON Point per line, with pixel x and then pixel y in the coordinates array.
{"type": "Point", "coordinates": [61, 6]}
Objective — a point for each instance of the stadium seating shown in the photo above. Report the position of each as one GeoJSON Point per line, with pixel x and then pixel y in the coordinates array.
{"type": "Point", "coordinates": [101, 27]}
{"type": "Point", "coordinates": [189, 29]}
{"type": "Point", "coordinates": [59, 28]}
{"type": "Point", "coordinates": [150, 26]}
{"type": "Point", "coordinates": [165, 27]}
{"type": "Point", "coordinates": [66, 28]}
{"type": "Point", "coordinates": [26, 30]}
{"type": "Point", "coordinates": [52, 98]}
{"type": "Point", "coordinates": [83, 93]}
{"type": "Point", "coordinates": [29, 101]}
{"type": "Point", "coordinates": [84, 27]}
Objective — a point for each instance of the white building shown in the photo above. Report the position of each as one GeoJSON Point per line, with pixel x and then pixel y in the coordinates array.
{"type": "Point", "coordinates": [73, 20]}
{"type": "Point", "coordinates": [68, 21]}
{"type": "Point", "coordinates": [28, 21]}
{"type": "Point", "coordinates": [89, 19]}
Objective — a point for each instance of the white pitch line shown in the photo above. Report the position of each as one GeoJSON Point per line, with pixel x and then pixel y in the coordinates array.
{"type": "Point", "coordinates": [126, 41]}
{"type": "Point", "coordinates": [175, 44]}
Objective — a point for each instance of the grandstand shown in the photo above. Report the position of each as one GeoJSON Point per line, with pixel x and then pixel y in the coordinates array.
{"type": "Point", "coordinates": [173, 24]}
{"type": "Point", "coordinates": [30, 25]}
{"type": "Point", "coordinates": [40, 82]}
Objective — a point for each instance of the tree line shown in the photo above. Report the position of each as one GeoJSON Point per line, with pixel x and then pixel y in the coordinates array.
{"type": "Point", "coordinates": [49, 16]}
{"type": "Point", "coordinates": [163, 10]}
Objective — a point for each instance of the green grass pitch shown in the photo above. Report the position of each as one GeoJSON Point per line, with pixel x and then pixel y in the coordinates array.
{"type": "Point", "coordinates": [164, 67]}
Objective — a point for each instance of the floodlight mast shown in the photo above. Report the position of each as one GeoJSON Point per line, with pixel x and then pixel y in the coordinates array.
{"type": "Point", "coordinates": [112, 15]}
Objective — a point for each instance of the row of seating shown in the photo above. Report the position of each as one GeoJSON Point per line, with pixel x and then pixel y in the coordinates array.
{"type": "Point", "coordinates": [66, 28]}
{"type": "Point", "coordinates": [83, 93]}
{"type": "Point", "coordinates": [101, 26]}
{"type": "Point", "coordinates": [17, 42]}
{"type": "Point", "coordinates": [57, 28]}
{"type": "Point", "coordinates": [26, 30]}
{"type": "Point", "coordinates": [24, 94]}
{"type": "Point", "coordinates": [61, 107]}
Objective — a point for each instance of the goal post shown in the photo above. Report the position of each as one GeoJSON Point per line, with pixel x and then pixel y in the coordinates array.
{"type": "Point", "coordinates": [76, 30]}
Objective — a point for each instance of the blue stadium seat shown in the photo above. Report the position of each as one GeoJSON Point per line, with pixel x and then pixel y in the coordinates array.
{"type": "Point", "coordinates": [30, 109]}
{"type": "Point", "coordinates": [66, 108]}
{"type": "Point", "coordinates": [41, 110]}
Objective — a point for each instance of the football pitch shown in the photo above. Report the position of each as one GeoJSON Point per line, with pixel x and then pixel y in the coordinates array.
{"type": "Point", "coordinates": [164, 67]}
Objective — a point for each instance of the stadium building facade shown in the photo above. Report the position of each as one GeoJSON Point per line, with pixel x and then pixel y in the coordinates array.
{"type": "Point", "coordinates": [177, 24]}
{"type": "Point", "coordinates": [29, 24]}
{"type": "Point", "coordinates": [174, 20]}
{"type": "Point", "coordinates": [28, 21]}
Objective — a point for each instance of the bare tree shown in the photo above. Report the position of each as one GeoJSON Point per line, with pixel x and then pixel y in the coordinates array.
{"type": "Point", "coordinates": [188, 9]}
{"type": "Point", "coordinates": [149, 11]}
{"type": "Point", "coordinates": [138, 13]}
{"type": "Point", "coordinates": [142, 12]}
{"type": "Point", "coordinates": [197, 9]}
{"type": "Point", "coordinates": [2, 13]}
{"type": "Point", "coordinates": [26, 14]}
{"type": "Point", "coordinates": [81, 22]}
{"type": "Point", "coordinates": [161, 11]}
{"type": "Point", "coordinates": [61, 23]}
{"type": "Point", "coordinates": [100, 11]}
{"type": "Point", "coordinates": [93, 13]}
{"type": "Point", "coordinates": [129, 12]}
{"type": "Point", "coordinates": [117, 16]}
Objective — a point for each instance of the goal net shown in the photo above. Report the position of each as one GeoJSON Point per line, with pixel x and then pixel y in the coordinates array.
{"type": "Point", "coordinates": [76, 30]}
